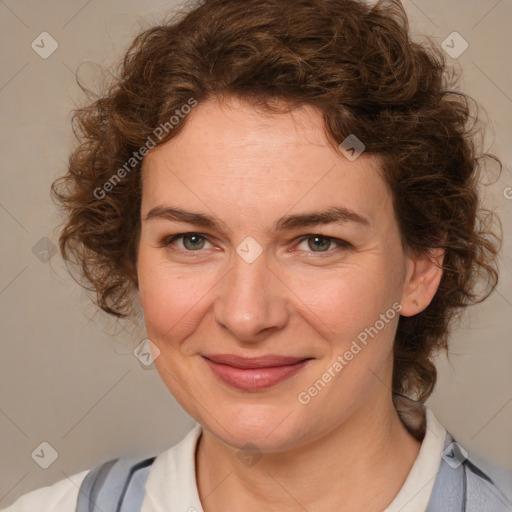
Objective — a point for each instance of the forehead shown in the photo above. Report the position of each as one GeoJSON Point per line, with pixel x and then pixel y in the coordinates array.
{"type": "Point", "coordinates": [230, 154]}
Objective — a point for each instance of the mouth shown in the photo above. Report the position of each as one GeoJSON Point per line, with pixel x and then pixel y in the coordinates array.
{"type": "Point", "coordinates": [254, 374]}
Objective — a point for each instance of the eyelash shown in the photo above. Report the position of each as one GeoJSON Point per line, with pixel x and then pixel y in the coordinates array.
{"type": "Point", "coordinates": [343, 245]}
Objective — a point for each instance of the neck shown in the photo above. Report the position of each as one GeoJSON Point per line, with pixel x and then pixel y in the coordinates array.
{"type": "Point", "coordinates": [331, 473]}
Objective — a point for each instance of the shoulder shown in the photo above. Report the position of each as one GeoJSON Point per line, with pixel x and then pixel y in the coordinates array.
{"type": "Point", "coordinates": [60, 497]}
{"type": "Point", "coordinates": [457, 478]}
{"type": "Point", "coordinates": [498, 481]}
{"type": "Point", "coordinates": [467, 482]}
{"type": "Point", "coordinates": [120, 480]}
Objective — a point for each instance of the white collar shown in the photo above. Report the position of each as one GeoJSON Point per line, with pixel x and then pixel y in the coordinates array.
{"type": "Point", "coordinates": [171, 485]}
{"type": "Point", "coordinates": [417, 489]}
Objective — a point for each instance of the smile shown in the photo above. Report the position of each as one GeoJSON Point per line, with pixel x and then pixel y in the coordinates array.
{"type": "Point", "coordinates": [254, 374]}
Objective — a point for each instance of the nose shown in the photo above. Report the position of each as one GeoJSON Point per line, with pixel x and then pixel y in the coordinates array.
{"type": "Point", "coordinates": [252, 302]}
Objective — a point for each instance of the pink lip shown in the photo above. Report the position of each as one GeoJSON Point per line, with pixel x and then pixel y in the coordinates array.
{"type": "Point", "coordinates": [253, 374]}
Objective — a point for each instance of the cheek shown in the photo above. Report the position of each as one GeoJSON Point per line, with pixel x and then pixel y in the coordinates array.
{"type": "Point", "coordinates": [346, 300]}
{"type": "Point", "coordinates": [356, 305]}
{"type": "Point", "coordinates": [171, 299]}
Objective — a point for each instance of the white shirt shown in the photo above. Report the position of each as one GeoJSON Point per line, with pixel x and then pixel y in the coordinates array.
{"type": "Point", "coordinates": [171, 484]}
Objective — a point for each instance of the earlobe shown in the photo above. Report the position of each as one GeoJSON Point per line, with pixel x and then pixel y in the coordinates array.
{"type": "Point", "coordinates": [422, 281]}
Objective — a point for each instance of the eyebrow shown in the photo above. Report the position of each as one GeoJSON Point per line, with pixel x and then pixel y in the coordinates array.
{"type": "Point", "coordinates": [338, 215]}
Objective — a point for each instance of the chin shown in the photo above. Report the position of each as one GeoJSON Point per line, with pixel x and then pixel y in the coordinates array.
{"type": "Point", "coordinates": [269, 428]}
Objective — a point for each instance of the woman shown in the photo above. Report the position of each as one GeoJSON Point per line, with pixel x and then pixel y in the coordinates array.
{"type": "Point", "coordinates": [288, 190]}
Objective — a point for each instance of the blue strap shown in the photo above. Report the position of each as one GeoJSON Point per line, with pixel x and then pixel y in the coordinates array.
{"type": "Point", "coordinates": [134, 490]}
{"type": "Point", "coordinates": [117, 485]}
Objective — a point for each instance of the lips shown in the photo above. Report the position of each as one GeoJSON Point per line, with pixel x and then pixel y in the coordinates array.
{"type": "Point", "coordinates": [254, 374]}
{"type": "Point", "coordinates": [254, 362]}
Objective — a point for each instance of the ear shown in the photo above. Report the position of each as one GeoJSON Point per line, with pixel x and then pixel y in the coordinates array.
{"type": "Point", "coordinates": [422, 280]}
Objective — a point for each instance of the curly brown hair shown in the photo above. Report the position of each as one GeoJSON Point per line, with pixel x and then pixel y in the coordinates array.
{"type": "Point", "coordinates": [355, 63]}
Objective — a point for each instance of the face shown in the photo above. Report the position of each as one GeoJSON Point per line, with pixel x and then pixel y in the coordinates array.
{"type": "Point", "coordinates": [232, 262]}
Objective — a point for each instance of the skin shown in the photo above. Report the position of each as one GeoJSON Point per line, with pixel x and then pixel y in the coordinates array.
{"type": "Point", "coordinates": [248, 170]}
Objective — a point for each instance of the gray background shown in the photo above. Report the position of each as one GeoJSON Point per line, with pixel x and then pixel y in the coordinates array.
{"type": "Point", "coordinates": [68, 375]}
